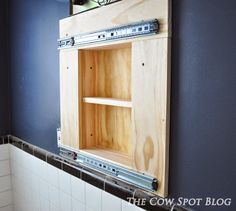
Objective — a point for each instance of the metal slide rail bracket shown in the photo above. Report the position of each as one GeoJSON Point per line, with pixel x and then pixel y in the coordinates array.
{"type": "Point", "coordinates": [143, 28]}
{"type": "Point", "coordinates": [142, 181]}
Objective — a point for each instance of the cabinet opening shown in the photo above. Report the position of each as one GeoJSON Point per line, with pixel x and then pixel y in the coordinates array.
{"type": "Point", "coordinates": [105, 103]}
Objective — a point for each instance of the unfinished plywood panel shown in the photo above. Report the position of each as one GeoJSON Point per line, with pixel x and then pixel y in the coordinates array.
{"type": "Point", "coordinates": [69, 98]}
{"type": "Point", "coordinates": [123, 12]}
{"type": "Point", "coordinates": [150, 119]}
{"type": "Point", "coordinates": [118, 110]}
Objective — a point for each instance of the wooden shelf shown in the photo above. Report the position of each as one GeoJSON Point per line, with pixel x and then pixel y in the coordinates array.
{"type": "Point", "coordinates": [108, 101]}
{"type": "Point", "coordinates": [110, 155]}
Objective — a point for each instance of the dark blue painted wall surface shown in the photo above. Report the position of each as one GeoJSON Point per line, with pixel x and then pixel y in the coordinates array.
{"type": "Point", "coordinates": [34, 65]}
{"type": "Point", "coordinates": [4, 72]}
{"type": "Point", "coordinates": [203, 108]}
{"type": "Point", "coordinates": [202, 152]}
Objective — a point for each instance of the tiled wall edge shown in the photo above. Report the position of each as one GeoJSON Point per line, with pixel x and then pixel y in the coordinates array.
{"type": "Point", "coordinates": [6, 200]}
{"type": "Point", "coordinates": [105, 182]}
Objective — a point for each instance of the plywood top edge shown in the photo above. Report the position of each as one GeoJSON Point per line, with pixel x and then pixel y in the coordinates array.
{"type": "Point", "coordinates": [126, 43]}
{"type": "Point", "coordinates": [120, 13]}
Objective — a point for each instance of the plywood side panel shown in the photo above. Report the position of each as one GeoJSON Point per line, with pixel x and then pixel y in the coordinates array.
{"type": "Point", "coordinates": [123, 12]}
{"type": "Point", "coordinates": [69, 98]}
{"type": "Point", "coordinates": [87, 77]}
{"type": "Point", "coordinates": [150, 96]}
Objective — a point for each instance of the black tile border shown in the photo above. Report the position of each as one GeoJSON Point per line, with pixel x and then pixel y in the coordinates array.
{"type": "Point", "coordinates": [93, 177]}
{"type": "Point", "coordinates": [119, 188]}
{"type": "Point", "coordinates": [41, 154]}
{"type": "Point", "coordinates": [74, 171]}
{"type": "Point", "coordinates": [100, 180]}
{"type": "Point", "coordinates": [52, 160]}
{"type": "Point", "coordinates": [4, 140]}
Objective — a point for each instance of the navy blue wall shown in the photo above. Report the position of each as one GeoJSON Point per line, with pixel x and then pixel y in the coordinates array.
{"type": "Point", "coordinates": [203, 108]}
{"type": "Point", "coordinates": [202, 152]}
{"type": "Point", "coordinates": [4, 72]}
{"type": "Point", "coordinates": [34, 66]}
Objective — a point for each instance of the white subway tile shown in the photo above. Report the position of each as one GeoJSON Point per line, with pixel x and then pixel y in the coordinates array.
{"type": "Point", "coordinates": [35, 201]}
{"type": "Point", "coordinates": [77, 206]}
{"type": "Point", "coordinates": [7, 208]}
{"type": "Point", "coordinates": [20, 172]}
{"type": "Point", "coordinates": [18, 155]}
{"type": "Point", "coordinates": [35, 183]}
{"type": "Point", "coordinates": [54, 196]}
{"type": "Point", "coordinates": [5, 183]}
{"type": "Point", "coordinates": [32, 164]}
{"type": "Point", "coordinates": [12, 153]}
{"type": "Point", "coordinates": [110, 202]}
{"type": "Point", "coordinates": [88, 209]}
{"type": "Point", "coordinates": [53, 175]}
{"type": "Point", "coordinates": [54, 207]}
{"type": "Point", "coordinates": [4, 168]}
{"type": "Point", "coordinates": [12, 167]}
{"type": "Point", "coordinates": [16, 185]}
{"type": "Point", "coordinates": [17, 198]}
{"type": "Point", "coordinates": [93, 197]}
{"type": "Point", "coordinates": [27, 177]}
{"type": "Point", "coordinates": [25, 157]}
{"type": "Point", "coordinates": [4, 152]}
{"type": "Point", "coordinates": [43, 189]}
{"type": "Point", "coordinates": [130, 207]}
{"type": "Point", "coordinates": [27, 192]}
{"type": "Point", "coordinates": [5, 198]}
{"type": "Point", "coordinates": [65, 182]}
{"type": "Point", "coordinates": [13, 182]}
{"type": "Point", "coordinates": [42, 169]}
{"type": "Point", "coordinates": [28, 206]}
{"type": "Point", "coordinates": [65, 201]}
{"type": "Point", "coordinates": [15, 169]}
{"type": "Point", "coordinates": [44, 204]}
{"type": "Point", "coordinates": [78, 189]}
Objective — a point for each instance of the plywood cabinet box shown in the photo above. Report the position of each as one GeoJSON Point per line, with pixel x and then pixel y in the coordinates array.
{"type": "Point", "coordinates": [115, 95]}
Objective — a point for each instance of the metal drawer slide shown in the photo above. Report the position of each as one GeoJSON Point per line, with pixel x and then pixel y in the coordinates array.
{"type": "Point", "coordinates": [143, 28]}
{"type": "Point", "coordinates": [140, 180]}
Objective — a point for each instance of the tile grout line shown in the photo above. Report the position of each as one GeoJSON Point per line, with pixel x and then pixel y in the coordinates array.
{"type": "Point", "coordinates": [7, 190]}
{"type": "Point", "coordinates": [7, 175]}
{"type": "Point", "coordinates": [6, 206]}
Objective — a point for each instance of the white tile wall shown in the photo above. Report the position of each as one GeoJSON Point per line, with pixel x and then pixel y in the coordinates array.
{"type": "Point", "coordinates": [38, 186]}
{"type": "Point", "coordinates": [93, 197]}
{"type": "Point", "coordinates": [78, 189]}
{"type": "Point", "coordinates": [5, 179]}
{"type": "Point", "coordinates": [129, 207]}
{"type": "Point", "coordinates": [4, 168]}
{"type": "Point", "coordinates": [7, 208]}
{"type": "Point", "coordinates": [4, 152]}
{"type": "Point", "coordinates": [5, 183]}
{"type": "Point", "coordinates": [109, 202]}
